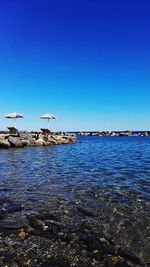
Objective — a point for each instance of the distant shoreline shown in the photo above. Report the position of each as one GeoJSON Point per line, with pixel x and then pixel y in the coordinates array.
{"type": "Point", "coordinates": [113, 133]}
{"type": "Point", "coordinates": [87, 133]}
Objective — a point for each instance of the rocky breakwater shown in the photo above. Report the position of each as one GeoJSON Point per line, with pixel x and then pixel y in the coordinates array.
{"type": "Point", "coordinates": [112, 133]}
{"type": "Point", "coordinates": [35, 139]}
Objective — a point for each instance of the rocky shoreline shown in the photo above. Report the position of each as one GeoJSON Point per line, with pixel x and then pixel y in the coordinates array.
{"type": "Point", "coordinates": [35, 139]}
{"type": "Point", "coordinates": [113, 133]}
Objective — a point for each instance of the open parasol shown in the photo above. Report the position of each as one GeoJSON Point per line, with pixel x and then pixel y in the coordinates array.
{"type": "Point", "coordinates": [14, 116]}
{"type": "Point", "coordinates": [49, 117]}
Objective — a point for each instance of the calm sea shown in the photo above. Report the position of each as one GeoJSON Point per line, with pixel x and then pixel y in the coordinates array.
{"type": "Point", "coordinates": [115, 164]}
{"type": "Point", "coordinates": [109, 174]}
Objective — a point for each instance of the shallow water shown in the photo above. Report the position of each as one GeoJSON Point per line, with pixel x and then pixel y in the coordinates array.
{"type": "Point", "coordinates": [110, 175]}
{"type": "Point", "coordinates": [115, 164]}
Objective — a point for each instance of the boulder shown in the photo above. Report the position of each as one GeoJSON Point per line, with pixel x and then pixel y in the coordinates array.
{"type": "Point", "coordinates": [23, 135]}
{"type": "Point", "coordinates": [56, 137]}
{"type": "Point", "coordinates": [45, 138]}
{"type": "Point", "coordinates": [25, 139]}
{"type": "Point", "coordinates": [53, 142]}
{"type": "Point", "coordinates": [112, 134]}
{"type": "Point", "coordinates": [31, 140]}
{"type": "Point", "coordinates": [72, 140]}
{"type": "Point", "coordinates": [4, 144]}
{"type": "Point", "coordinates": [15, 141]}
{"type": "Point", "coordinates": [39, 136]}
{"type": "Point", "coordinates": [25, 142]}
{"type": "Point", "coordinates": [2, 137]}
{"type": "Point", "coordinates": [126, 133]}
{"type": "Point", "coordinates": [61, 142]}
{"type": "Point", "coordinates": [64, 141]}
{"type": "Point", "coordinates": [46, 143]}
{"type": "Point", "coordinates": [144, 134]}
{"type": "Point", "coordinates": [50, 137]}
{"type": "Point", "coordinates": [39, 142]}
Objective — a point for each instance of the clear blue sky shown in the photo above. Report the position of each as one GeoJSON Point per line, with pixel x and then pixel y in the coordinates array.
{"type": "Point", "coordinates": [86, 61]}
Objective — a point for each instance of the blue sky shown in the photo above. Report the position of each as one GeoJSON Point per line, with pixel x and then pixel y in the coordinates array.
{"type": "Point", "coordinates": [86, 61]}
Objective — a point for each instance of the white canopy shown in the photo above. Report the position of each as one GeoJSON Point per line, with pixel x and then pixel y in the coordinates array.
{"type": "Point", "coordinates": [14, 116]}
{"type": "Point", "coordinates": [48, 116]}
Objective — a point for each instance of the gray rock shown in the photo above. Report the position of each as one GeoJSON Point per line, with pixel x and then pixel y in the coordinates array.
{"type": "Point", "coordinates": [10, 225]}
{"type": "Point", "coordinates": [52, 142]}
{"type": "Point", "coordinates": [3, 213]}
{"type": "Point", "coordinates": [15, 141]}
{"type": "Point", "coordinates": [25, 142]}
{"type": "Point", "coordinates": [72, 140]}
{"type": "Point", "coordinates": [144, 134]}
{"type": "Point", "coordinates": [86, 211]}
{"type": "Point", "coordinates": [128, 255]}
{"type": "Point", "coordinates": [31, 140]}
{"type": "Point", "coordinates": [39, 142]}
{"type": "Point", "coordinates": [35, 223]}
{"type": "Point", "coordinates": [56, 137]}
{"type": "Point", "coordinates": [14, 207]}
{"type": "Point", "coordinates": [4, 144]}
{"type": "Point", "coordinates": [23, 135]}
{"type": "Point", "coordinates": [2, 136]}
{"type": "Point", "coordinates": [126, 133]}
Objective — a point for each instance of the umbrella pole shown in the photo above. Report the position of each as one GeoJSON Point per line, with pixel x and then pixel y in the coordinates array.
{"type": "Point", "coordinates": [14, 123]}
{"type": "Point", "coordinates": [48, 124]}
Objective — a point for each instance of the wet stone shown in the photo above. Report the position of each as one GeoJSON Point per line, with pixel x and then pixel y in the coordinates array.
{"type": "Point", "coordinates": [86, 211]}
{"type": "Point", "coordinates": [117, 262]}
{"type": "Point", "coordinates": [14, 207]}
{"type": "Point", "coordinates": [128, 255]}
{"type": "Point", "coordinates": [56, 263]}
{"type": "Point", "coordinates": [10, 255]}
{"type": "Point", "coordinates": [3, 200]}
{"type": "Point", "coordinates": [3, 213]}
{"type": "Point", "coordinates": [10, 225]}
{"type": "Point", "coordinates": [122, 263]}
{"type": "Point", "coordinates": [35, 223]}
{"type": "Point", "coordinates": [47, 236]}
{"type": "Point", "coordinates": [47, 216]}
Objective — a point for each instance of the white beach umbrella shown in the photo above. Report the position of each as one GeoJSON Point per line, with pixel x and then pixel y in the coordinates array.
{"type": "Point", "coordinates": [49, 117]}
{"type": "Point", "coordinates": [14, 116]}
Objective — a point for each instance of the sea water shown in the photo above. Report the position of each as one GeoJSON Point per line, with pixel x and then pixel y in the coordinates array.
{"type": "Point", "coordinates": [110, 175]}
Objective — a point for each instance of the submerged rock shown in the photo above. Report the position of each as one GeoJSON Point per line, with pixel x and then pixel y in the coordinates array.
{"type": "Point", "coordinates": [10, 225]}
{"type": "Point", "coordinates": [86, 211]}
{"type": "Point", "coordinates": [60, 262]}
{"type": "Point", "coordinates": [3, 213]}
{"type": "Point", "coordinates": [35, 223]}
{"type": "Point", "coordinates": [14, 207]}
{"type": "Point", "coordinates": [128, 255]}
{"type": "Point", "coordinates": [116, 261]}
